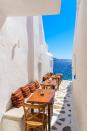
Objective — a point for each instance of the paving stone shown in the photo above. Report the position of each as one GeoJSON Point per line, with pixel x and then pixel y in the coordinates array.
{"type": "Point", "coordinates": [62, 108]}
{"type": "Point", "coordinates": [68, 104]}
{"type": "Point", "coordinates": [67, 128]}
{"type": "Point", "coordinates": [65, 98]}
{"type": "Point", "coordinates": [58, 123]}
{"type": "Point", "coordinates": [70, 110]}
{"type": "Point", "coordinates": [54, 128]}
{"type": "Point", "coordinates": [66, 101]}
{"type": "Point", "coordinates": [62, 112]}
{"type": "Point", "coordinates": [69, 115]}
{"type": "Point", "coordinates": [62, 119]}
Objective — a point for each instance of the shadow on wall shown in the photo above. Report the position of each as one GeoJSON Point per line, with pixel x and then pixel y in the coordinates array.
{"type": "Point", "coordinates": [2, 21]}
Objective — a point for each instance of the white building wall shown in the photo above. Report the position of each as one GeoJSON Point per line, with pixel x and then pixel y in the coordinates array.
{"type": "Point", "coordinates": [13, 58]}
{"type": "Point", "coordinates": [80, 68]}
{"type": "Point", "coordinates": [45, 57]}
{"type": "Point", "coordinates": [29, 7]}
{"type": "Point", "coordinates": [21, 50]}
{"type": "Point", "coordinates": [40, 54]}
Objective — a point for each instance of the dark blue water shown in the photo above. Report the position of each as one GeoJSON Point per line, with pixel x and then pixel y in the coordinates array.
{"type": "Point", "coordinates": [63, 66]}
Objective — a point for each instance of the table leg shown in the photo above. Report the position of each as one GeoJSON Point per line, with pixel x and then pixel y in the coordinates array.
{"type": "Point", "coordinates": [32, 110]}
{"type": "Point", "coordinates": [49, 117]}
{"type": "Point", "coordinates": [58, 82]}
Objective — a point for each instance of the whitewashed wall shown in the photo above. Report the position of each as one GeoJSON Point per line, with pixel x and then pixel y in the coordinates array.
{"type": "Point", "coordinates": [80, 68]}
{"type": "Point", "coordinates": [13, 58]}
{"type": "Point", "coordinates": [29, 7]}
{"type": "Point", "coordinates": [40, 50]}
{"type": "Point", "coordinates": [22, 48]}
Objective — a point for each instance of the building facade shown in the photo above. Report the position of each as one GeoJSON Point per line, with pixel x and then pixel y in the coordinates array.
{"type": "Point", "coordinates": [24, 55]}
{"type": "Point", "coordinates": [80, 68]}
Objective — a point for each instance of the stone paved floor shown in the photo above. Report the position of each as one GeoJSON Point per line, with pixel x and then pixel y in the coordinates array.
{"type": "Point", "coordinates": [62, 108]}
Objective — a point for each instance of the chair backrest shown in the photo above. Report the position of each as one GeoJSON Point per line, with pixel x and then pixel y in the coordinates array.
{"type": "Point", "coordinates": [37, 84]}
{"type": "Point", "coordinates": [34, 110]}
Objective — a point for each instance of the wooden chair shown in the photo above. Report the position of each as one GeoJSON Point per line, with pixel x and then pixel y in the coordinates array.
{"type": "Point", "coordinates": [47, 85]}
{"type": "Point", "coordinates": [35, 117]}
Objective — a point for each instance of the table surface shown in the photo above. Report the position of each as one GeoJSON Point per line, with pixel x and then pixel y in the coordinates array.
{"type": "Point", "coordinates": [38, 98]}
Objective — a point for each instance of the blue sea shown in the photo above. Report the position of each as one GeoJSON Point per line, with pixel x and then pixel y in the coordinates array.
{"type": "Point", "coordinates": [63, 66]}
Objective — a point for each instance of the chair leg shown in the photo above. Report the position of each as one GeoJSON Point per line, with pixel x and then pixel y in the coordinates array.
{"type": "Point", "coordinates": [25, 127]}
{"type": "Point", "coordinates": [42, 128]}
{"type": "Point", "coordinates": [46, 127]}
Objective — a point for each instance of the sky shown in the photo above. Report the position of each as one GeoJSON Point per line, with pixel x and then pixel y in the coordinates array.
{"type": "Point", "coordinates": [59, 30]}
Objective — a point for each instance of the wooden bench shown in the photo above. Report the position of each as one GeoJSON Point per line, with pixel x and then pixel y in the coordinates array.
{"type": "Point", "coordinates": [13, 117]}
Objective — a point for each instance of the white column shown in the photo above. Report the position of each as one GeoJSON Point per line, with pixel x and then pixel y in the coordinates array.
{"type": "Point", "coordinates": [30, 33]}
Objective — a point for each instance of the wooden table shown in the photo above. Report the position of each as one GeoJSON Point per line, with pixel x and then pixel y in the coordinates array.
{"type": "Point", "coordinates": [47, 98]}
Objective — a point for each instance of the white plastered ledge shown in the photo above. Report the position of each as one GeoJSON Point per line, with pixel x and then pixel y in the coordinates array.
{"type": "Point", "coordinates": [29, 7]}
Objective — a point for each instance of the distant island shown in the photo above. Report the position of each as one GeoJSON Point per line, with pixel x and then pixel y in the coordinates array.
{"type": "Point", "coordinates": [63, 66]}
{"type": "Point", "coordinates": [68, 60]}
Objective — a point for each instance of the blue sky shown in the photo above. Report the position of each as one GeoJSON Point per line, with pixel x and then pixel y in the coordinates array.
{"type": "Point", "coordinates": [59, 30]}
